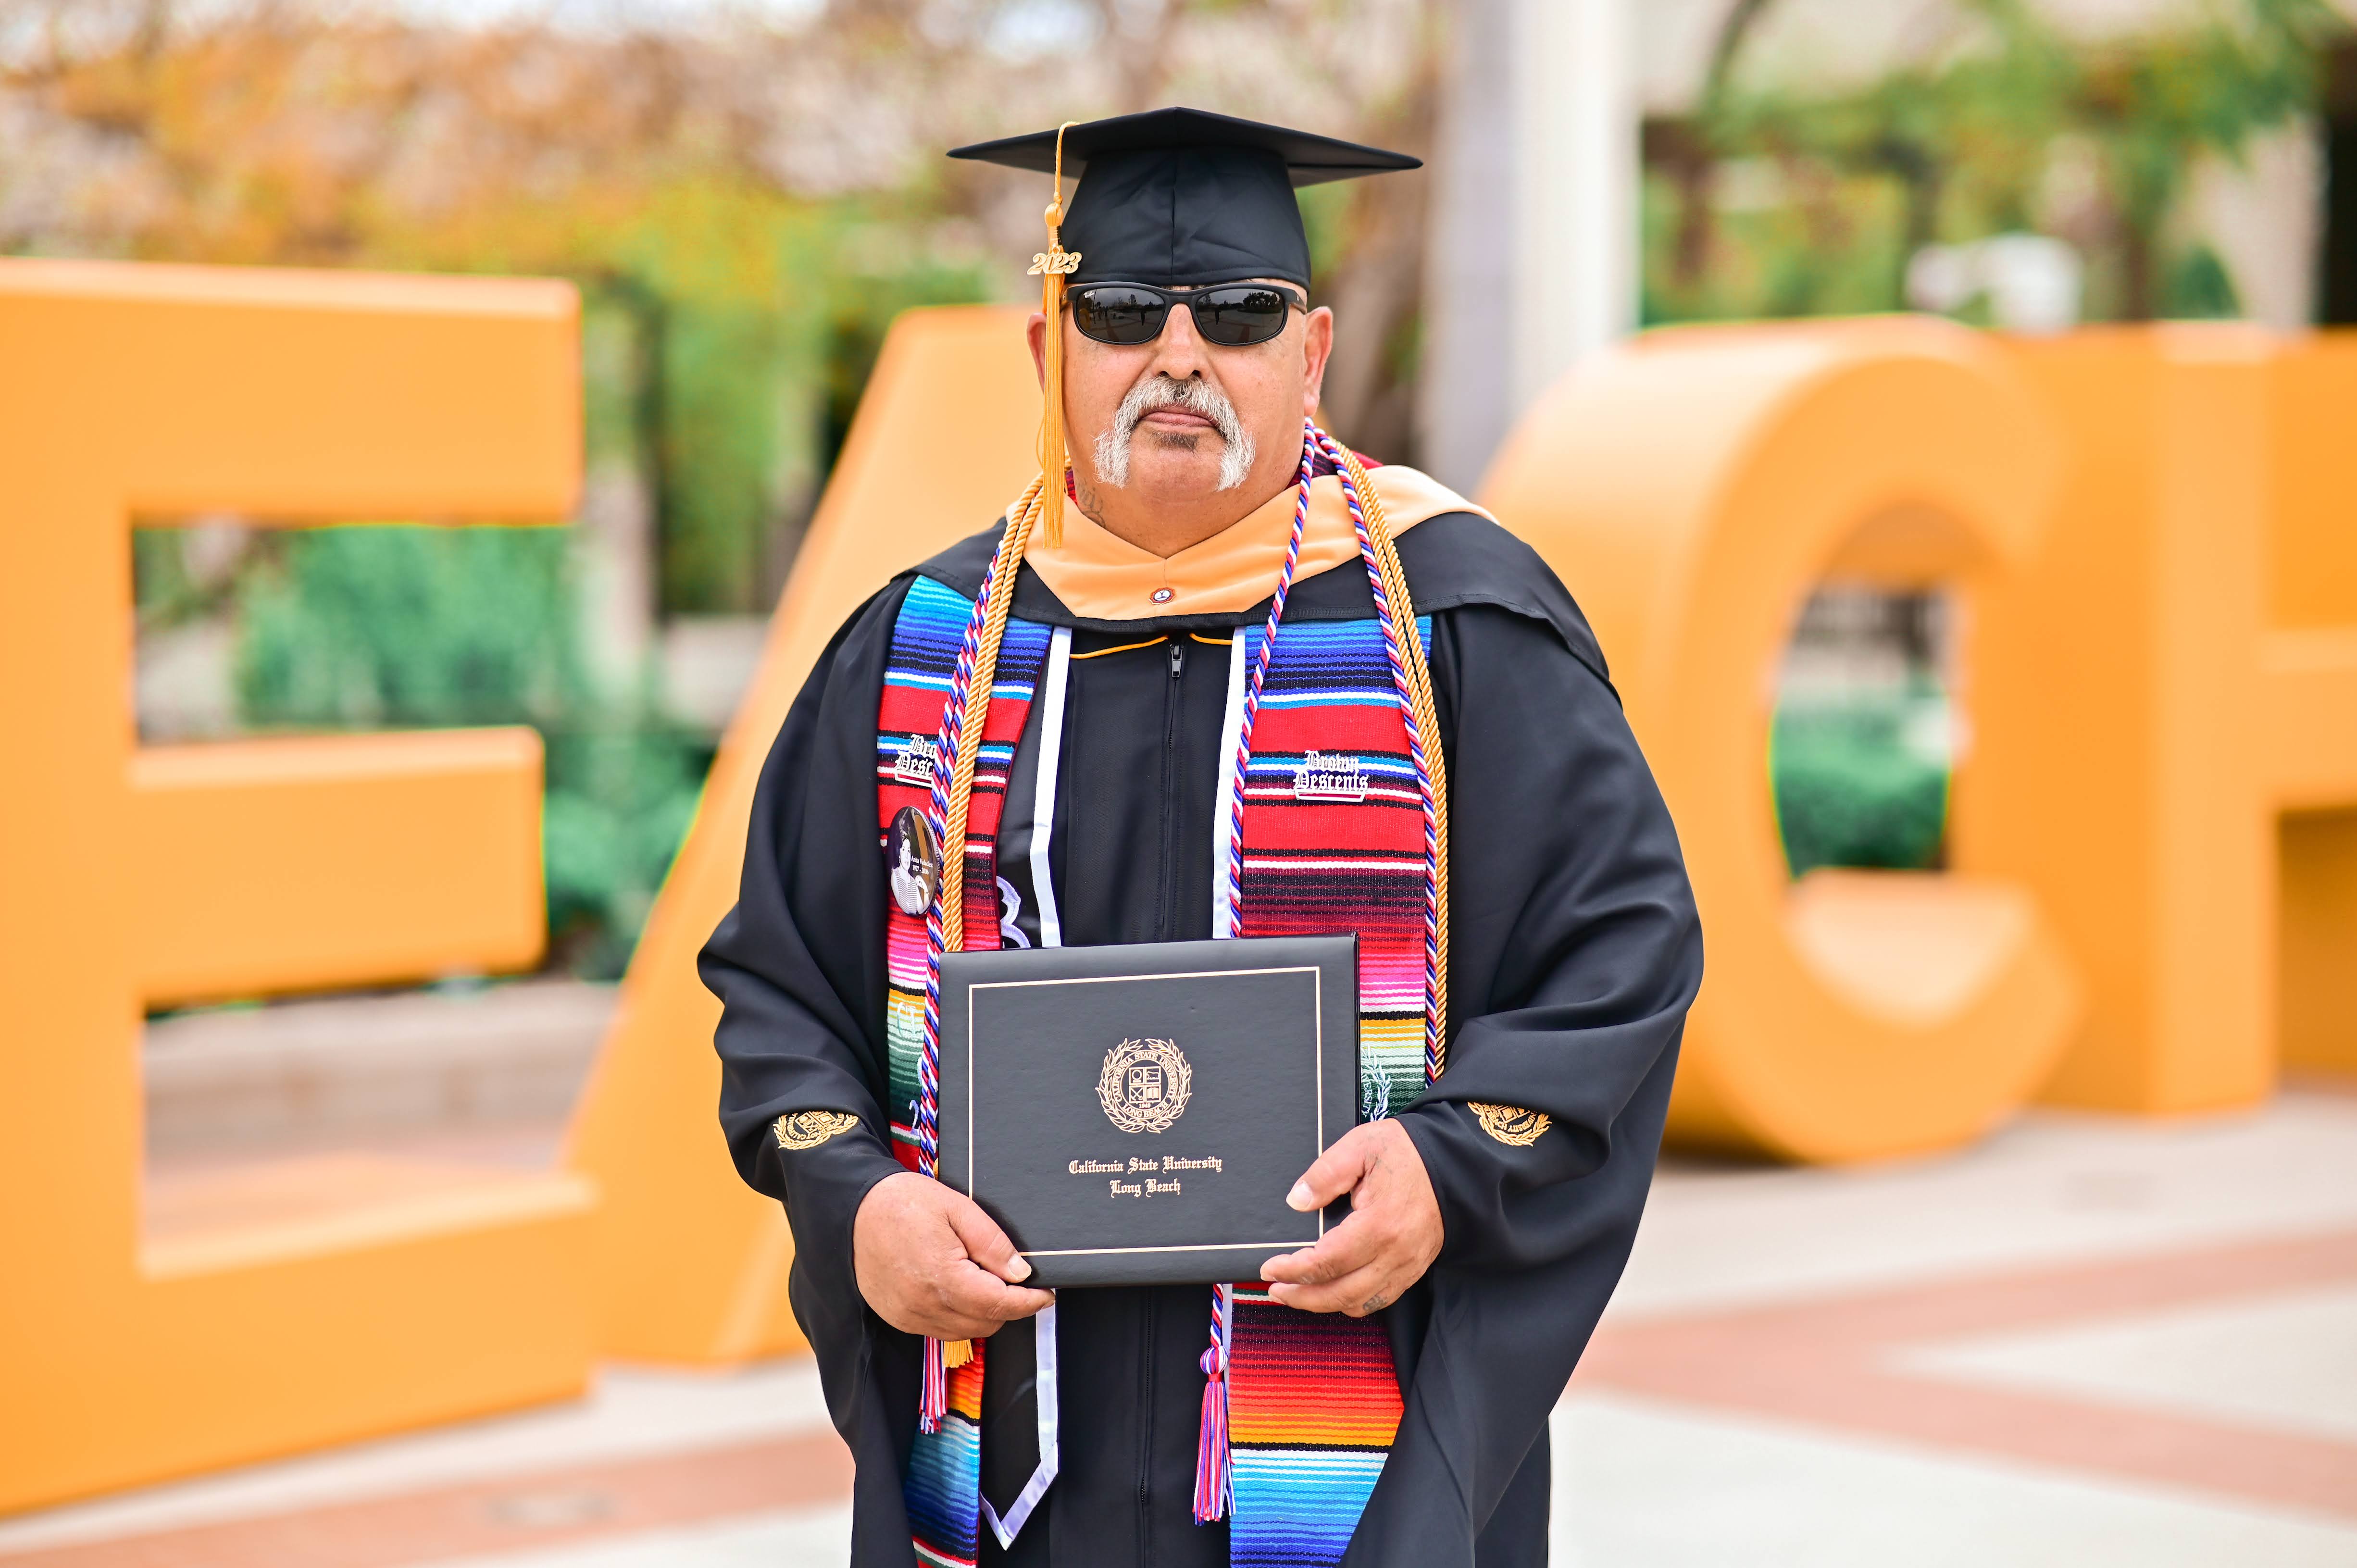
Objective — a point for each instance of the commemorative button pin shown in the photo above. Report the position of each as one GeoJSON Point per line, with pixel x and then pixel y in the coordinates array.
{"type": "Point", "coordinates": [914, 859]}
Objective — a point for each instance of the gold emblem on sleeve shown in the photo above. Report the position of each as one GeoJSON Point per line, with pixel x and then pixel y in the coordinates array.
{"type": "Point", "coordinates": [1510, 1125]}
{"type": "Point", "coordinates": [809, 1129]}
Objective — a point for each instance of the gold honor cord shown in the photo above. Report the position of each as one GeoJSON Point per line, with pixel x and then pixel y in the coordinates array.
{"type": "Point", "coordinates": [1428, 723]}
{"type": "Point", "coordinates": [1003, 570]}
{"type": "Point", "coordinates": [1021, 521]}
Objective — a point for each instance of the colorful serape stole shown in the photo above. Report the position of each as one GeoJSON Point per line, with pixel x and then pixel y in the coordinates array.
{"type": "Point", "coordinates": [1333, 832]}
{"type": "Point", "coordinates": [1313, 1404]}
{"type": "Point", "coordinates": [917, 678]}
{"type": "Point", "coordinates": [943, 1489]}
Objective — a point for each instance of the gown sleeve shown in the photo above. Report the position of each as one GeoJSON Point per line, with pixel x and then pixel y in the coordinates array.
{"type": "Point", "coordinates": [1576, 947]}
{"type": "Point", "coordinates": [801, 980]}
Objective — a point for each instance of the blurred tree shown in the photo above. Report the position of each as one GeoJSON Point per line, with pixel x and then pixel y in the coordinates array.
{"type": "Point", "coordinates": [742, 194]}
{"type": "Point", "coordinates": [1367, 248]}
{"type": "Point", "coordinates": [746, 204]}
{"type": "Point", "coordinates": [388, 626]}
{"type": "Point", "coordinates": [404, 625]}
{"type": "Point", "coordinates": [1777, 201]}
{"type": "Point", "coordinates": [1781, 201]}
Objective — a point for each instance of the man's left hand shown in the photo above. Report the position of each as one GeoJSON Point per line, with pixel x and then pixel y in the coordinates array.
{"type": "Point", "coordinates": [1393, 1233]}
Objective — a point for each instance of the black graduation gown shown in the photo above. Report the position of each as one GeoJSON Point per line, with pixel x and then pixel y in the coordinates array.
{"type": "Point", "coordinates": [1575, 953]}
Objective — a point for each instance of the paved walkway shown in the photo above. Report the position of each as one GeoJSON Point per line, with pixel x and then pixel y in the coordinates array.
{"type": "Point", "coordinates": [2085, 1342]}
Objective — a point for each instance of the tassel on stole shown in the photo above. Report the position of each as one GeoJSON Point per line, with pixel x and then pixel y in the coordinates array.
{"type": "Point", "coordinates": [934, 1391]}
{"type": "Point", "coordinates": [1214, 1467]}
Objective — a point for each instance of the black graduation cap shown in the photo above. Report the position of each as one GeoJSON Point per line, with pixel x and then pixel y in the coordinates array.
{"type": "Point", "coordinates": [1181, 198]}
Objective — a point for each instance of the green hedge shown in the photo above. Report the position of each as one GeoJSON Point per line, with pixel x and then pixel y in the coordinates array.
{"type": "Point", "coordinates": [1860, 781]}
{"type": "Point", "coordinates": [396, 626]}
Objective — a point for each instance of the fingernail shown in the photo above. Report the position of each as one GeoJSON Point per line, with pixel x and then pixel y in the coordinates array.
{"type": "Point", "coordinates": [1018, 1271]}
{"type": "Point", "coordinates": [1300, 1197]}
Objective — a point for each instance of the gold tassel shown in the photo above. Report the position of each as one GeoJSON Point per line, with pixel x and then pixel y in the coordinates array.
{"type": "Point", "coordinates": [1052, 266]}
{"type": "Point", "coordinates": [1040, 511]}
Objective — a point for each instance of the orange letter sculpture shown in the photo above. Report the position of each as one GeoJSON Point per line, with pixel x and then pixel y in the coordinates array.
{"type": "Point", "coordinates": [2101, 502]}
{"type": "Point", "coordinates": [2307, 669]}
{"type": "Point", "coordinates": [2155, 669]}
{"type": "Point", "coordinates": [2181, 666]}
{"type": "Point", "coordinates": [1925, 1007]}
{"type": "Point", "coordinates": [942, 444]}
{"type": "Point", "coordinates": [136, 875]}
{"type": "Point", "coordinates": [1691, 490]}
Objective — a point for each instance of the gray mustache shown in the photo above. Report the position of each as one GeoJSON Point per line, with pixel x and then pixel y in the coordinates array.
{"type": "Point", "coordinates": [1157, 390]}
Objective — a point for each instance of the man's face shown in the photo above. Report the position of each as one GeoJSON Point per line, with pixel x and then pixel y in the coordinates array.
{"type": "Point", "coordinates": [1179, 420]}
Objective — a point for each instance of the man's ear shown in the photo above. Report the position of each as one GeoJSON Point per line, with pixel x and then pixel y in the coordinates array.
{"type": "Point", "coordinates": [1035, 332]}
{"type": "Point", "coordinates": [1316, 346]}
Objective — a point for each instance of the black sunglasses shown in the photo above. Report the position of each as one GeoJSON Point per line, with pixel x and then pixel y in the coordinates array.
{"type": "Point", "coordinates": [1233, 315]}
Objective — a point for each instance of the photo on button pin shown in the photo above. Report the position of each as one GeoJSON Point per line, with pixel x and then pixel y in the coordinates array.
{"type": "Point", "coordinates": [914, 860]}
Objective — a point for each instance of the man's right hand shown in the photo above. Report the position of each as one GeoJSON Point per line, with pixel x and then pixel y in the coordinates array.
{"type": "Point", "coordinates": [931, 1262]}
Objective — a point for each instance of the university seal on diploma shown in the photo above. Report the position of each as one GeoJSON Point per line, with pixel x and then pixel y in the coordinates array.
{"type": "Point", "coordinates": [1145, 1086]}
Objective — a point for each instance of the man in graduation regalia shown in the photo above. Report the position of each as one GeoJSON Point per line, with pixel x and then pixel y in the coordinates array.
{"type": "Point", "coordinates": [1213, 675]}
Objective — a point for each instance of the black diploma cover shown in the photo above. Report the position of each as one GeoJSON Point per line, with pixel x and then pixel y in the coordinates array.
{"type": "Point", "coordinates": [1135, 1114]}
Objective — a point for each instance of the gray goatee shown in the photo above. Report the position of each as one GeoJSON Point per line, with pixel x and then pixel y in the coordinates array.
{"type": "Point", "coordinates": [1154, 391]}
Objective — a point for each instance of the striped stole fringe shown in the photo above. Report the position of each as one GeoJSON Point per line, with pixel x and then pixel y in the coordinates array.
{"type": "Point", "coordinates": [1313, 1404]}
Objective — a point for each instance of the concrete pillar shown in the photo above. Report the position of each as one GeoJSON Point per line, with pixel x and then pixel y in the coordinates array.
{"type": "Point", "coordinates": [1532, 258]}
